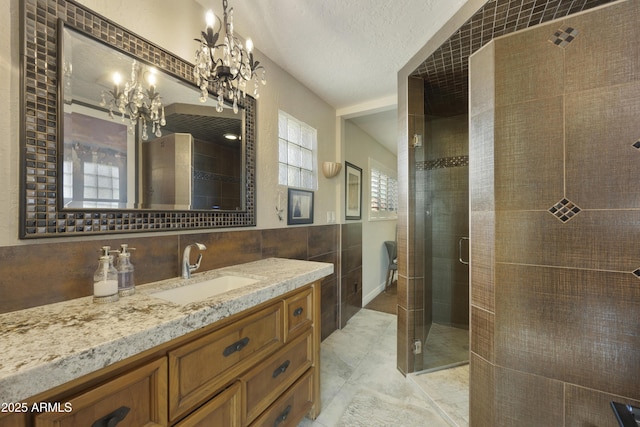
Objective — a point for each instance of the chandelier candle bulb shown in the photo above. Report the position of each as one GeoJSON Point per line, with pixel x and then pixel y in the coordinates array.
{"type": "Point", "coordinates": [210, 18]}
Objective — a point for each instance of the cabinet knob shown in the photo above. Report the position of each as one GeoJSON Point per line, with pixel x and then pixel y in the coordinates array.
{"type": "Point", "coordinates": [281, 368]}
{"type": "Point", "coordinates": [298, 311]}
{"type": "Point", "coordinates": [112, 419]}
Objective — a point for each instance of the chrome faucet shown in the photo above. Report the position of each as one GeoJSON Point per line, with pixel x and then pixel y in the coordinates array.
{"type": "Point", "coordinates": [188, 268]}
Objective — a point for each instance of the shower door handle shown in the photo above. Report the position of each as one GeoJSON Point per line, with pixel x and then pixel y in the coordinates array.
{"type": "Point", "coordinates": [460, 250]}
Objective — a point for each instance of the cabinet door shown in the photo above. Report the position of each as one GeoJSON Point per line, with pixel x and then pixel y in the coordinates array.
{"type": "Point", "coordinates": [299, 310]}
{"type": "Point", "coordinates": [263, 384]}
{"type": "Point", "coordinates": [223, 410]}
{"type": "Point", "coordinates": [13, 420]}
{"type": "Point", "coordinates": [199, 369]}
{"type": "Point", "coordinates": [135, 399]}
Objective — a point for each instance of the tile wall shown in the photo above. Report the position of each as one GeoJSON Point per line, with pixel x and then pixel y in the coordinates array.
{"type": "Point", "coordinates": [37, 274]}
{"type": "Point", "coordinates": [351, 271]}
{"type": "Point", "coordinates": [555, 221]}
{"type": "Point", "coordinates": [411, 286]}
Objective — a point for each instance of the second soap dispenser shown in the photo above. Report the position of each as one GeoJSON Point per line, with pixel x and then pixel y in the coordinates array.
{"type": "Point", "coordinates": [126, 282]}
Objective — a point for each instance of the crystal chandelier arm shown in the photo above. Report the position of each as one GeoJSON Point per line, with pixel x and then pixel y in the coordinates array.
{"type": "Point", "coordinates": [209, 37]}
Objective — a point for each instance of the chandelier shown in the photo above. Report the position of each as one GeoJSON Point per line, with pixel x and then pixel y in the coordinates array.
{"type": "Point", "coordinates": [224, 64]}
{"type": "Point", "coordinates": [135, 103]}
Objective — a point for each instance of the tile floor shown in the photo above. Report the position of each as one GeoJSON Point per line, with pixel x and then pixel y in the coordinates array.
{"type": "Point", "coordinates": [361, 385]}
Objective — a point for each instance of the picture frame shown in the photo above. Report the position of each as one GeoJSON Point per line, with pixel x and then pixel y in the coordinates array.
{"type": "Point", "coordinates": [299, 207]}
{"type": "Point", "coordinates": [353, 191]}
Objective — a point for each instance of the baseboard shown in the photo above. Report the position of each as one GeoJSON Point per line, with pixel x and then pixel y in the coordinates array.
{"type": "Point", "coordinates": [366, 299]}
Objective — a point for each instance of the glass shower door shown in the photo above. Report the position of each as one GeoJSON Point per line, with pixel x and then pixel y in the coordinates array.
{"type": "Point", "coordinates": [444, 214]}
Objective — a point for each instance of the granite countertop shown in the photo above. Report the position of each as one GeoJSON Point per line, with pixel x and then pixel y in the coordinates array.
{"type": "Point", "coordinates": [46, 346]}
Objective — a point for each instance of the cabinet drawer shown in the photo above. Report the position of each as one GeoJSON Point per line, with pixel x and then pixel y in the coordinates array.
{"type": "Point", "coordinates": [197, 370]}
{"type": "Point", "coordinates": [222, 410]}
{"type": "Point", "coordinates": [138, 398]}
{"type": "Point", "coordinates": [299, 313]}
{"type": "Point", "coordinates": [263, 384]}
{"type": "Point", "coordinates": [291, 407]}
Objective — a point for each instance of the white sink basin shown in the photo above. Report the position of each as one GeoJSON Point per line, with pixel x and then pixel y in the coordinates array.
{"type": "Point", "coordinates": [202, 290]}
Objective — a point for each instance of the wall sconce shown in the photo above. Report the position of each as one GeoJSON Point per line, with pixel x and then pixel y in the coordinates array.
{"type": "Point", "coordinates": [331, 169]}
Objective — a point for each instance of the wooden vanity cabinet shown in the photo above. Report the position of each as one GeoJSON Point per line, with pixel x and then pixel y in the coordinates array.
{"type": "Point", "coordinates": [137, 398]}
{"type": "Point", "coordinates": [258, 367]}
{"type": "Point", "coordinates": [200, 368]}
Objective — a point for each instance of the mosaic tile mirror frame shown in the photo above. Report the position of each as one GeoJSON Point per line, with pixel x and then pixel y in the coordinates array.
{"type": "Point", "coordinates": [40, 212]}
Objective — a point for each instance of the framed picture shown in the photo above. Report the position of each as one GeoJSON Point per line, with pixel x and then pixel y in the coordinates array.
{"type": "Point", "coordinates": [353, 191]}
{"type": "Point", "coordinates": [300, 207]}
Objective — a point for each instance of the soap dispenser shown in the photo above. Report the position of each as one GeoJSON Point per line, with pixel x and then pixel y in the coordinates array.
{"type": "Point", "coordinates": [105, 279]}
{"type": "Point", "coordinates": [126, 284]}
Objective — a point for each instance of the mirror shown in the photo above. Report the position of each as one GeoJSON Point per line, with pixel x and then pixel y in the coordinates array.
{"type": "Point", "coordinates": [45, 210]}
{"type": "Point", "coordinates": [135, 137]}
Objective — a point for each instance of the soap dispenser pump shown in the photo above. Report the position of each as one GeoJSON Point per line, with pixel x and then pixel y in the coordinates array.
{"type": "Point", "coordinates": [105, 279]}
{"type": "Point", "coordinates": [126, 284]}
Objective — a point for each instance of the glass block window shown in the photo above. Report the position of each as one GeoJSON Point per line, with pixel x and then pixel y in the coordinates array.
{"type": "Point", "coordinates": [101, 185]}
{"type": "Point", "coordinates": [67, 179]}
{"type": "Point", "coordinates": [384, 192]}
{"type": "Point", "coordinates": [297, 142]}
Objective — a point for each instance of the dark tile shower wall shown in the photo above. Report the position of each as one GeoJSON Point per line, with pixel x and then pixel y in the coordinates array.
{"type": "Point", "coordinates": [37, 274]}
{"type": "Point", "coordinates": [555, 222]}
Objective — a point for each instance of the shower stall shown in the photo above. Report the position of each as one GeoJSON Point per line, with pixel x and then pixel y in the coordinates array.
{"type": "Point", "coordinates": [441, 159]}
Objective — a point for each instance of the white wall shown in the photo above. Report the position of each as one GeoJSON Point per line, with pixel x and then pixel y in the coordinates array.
{"type": "Point", "coordinates": [359, 148]}
{"type": "Point", "coordinates": [172, 25]}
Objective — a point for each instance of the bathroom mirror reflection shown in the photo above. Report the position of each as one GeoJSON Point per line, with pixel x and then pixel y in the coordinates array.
{"type": "Point", "coordinates": [135, 137]}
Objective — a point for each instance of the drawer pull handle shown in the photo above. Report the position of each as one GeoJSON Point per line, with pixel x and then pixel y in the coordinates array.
{"type": "Point", "coordinates": [282, 416]}
{"type": "Point", "coordinates": [281, 369]}
{"type": "Point", "coordinates": [112, 419]}
{"type": "Point", "coordinates": [236, 346]}
{"type": "Point", "coordinates": [297, 312]}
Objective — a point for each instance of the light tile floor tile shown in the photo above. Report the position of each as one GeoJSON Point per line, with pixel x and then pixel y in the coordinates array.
{"type": "Point", "coordinates": [448, 389]}
{"type": "Point", "coordinates": [361, 359]}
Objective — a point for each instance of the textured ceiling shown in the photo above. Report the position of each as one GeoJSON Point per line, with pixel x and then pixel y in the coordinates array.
{"type": "Point", "coordinates": [446, 71]}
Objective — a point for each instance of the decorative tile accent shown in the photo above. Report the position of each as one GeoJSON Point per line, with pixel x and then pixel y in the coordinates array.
{"type": "Point", "coordinates": [39, 141]}
{"type": "Point", "coordinates": [214, 177]}
{"type": "Point", "coordinates": [445, 162]}
{"type": "Point", "coordinates": [636, 272]}
{"type": "Point", "coordinates": [562, 38]}
{"type": "Point", "coordinates": [564, 210]}
{"type": "Point", "coordinates": [637, 144]}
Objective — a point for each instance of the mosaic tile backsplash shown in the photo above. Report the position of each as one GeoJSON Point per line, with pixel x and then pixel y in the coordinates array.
{"type": "Point", "coordinates": [40, 215]}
